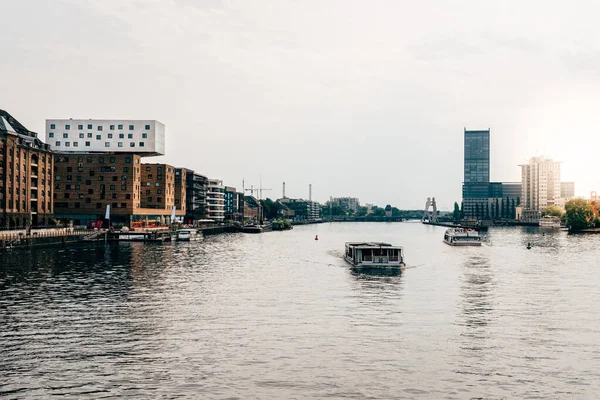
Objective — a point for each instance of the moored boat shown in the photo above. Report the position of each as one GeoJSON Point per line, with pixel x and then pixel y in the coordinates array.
{"type": "Point", "coordinates": [186, 235]}
{"type": "Point", "coordinates": [374, 255]}
{"type": "Point", "coordinates": [462, 237]}
{"type": "Point", "coordinates": [252, 229]}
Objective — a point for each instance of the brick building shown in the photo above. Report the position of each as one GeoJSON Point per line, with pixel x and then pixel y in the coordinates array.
{"type": "Point", "coordinates": [158, 186]}
{"type": "Point", "coordinates": [26, 166]}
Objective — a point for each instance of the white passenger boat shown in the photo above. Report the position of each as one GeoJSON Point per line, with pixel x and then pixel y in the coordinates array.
{"type": "Point", "coordinates": [374, 255]}
{"type": "Point", "coordinates": [549, 222]}
{"type": "Point", "coordinates": [462, 237]}
{"type": "Point", "coordinates": [186, 234]}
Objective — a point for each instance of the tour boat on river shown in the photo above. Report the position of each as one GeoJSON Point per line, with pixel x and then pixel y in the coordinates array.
{"type": "Point", "coordinates": [549, 222]}
{"type": "Point", "coordinates": [462, 237]}
{"type": "Point", "coordinates": [374, 255]}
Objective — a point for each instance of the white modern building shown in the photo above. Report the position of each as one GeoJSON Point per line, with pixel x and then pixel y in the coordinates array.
{"type": "Point", "coordinates": [541, 183]}
{"type": "Point", "coordinates": [347, 203]}
{"type": "Point", "coordinates": [215, 200]}
{"type": "Point", "coordinates": [145, 137]}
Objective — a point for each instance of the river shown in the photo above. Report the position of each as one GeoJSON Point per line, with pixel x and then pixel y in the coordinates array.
{"type": "Point", "coordinates": [280, 315]}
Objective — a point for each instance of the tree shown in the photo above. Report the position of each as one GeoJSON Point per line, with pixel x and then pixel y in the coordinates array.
{"type": "Point", "coordinates": [456, 213]}
{"type": "Point", "coordinates": [462, 213]}
{"type": "Point", "coordinates": [378, 211]}
{"type": "Point", "coordinates": [362, 211]}
{"type": "Point", "coordinates": [396, 212]}
{"type": "Point", "coordinates": [497, 208]}
{"type": "Point", "coordinates": [580, 214]}
{"type": "Point", "coordinates": [553, 211]}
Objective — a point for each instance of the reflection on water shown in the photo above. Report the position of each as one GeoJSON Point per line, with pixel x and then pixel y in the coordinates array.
{"type": "Point", "coordinates": [281, 315]}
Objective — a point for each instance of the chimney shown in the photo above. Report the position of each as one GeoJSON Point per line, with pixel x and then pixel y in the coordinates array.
{"type": "Point", "coordinates": [310, 192]}
{"type": "Point", "coordinates": [284, 190]}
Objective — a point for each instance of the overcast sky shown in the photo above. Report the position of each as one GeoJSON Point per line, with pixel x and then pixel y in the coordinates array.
{"type": "Point", "coordinates": [360, 98]}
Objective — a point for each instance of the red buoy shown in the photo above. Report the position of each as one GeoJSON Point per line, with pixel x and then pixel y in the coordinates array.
{"type": "Point", "coordinates": [317, 237]}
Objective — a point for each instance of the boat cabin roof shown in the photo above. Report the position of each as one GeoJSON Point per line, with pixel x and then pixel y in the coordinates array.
{"type": "Point", "coordinates": [371, 245]}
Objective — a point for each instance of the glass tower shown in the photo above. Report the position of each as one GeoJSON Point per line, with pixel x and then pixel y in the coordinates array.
{"type": "Point", "coordinates": [477, 157]}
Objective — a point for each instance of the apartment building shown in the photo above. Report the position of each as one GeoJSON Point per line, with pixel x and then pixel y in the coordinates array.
{"type": "Point", "coordinates": [158, 186]}
{"type": "Point", "coordinates": [540, 178]}
{"type": "Point", "coordinates": [26, 170]}
{"type": "Point", "coordinates": [215, 199]}
{"type": "Point", "coordinates": [196, 194]}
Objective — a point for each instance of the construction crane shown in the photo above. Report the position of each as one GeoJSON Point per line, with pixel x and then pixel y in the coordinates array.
{"type": "Point", "coordinates": [259, 191]}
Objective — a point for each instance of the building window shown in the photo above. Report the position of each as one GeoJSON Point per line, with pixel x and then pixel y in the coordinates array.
{"type": "Point", "coordinates": [125, 169]}
{"type": "Point", "coordinates": [89, 135]}
{"type": "Point", "coordinates": [52, 126]}
{"type": "Point", "coordinates": [99, 127]}
{"type": "Point", "coordinates": [149, 199]}
{"type": "Point", "coordinates": [89, 159]}
{"type": "Point", "coordinates": [57, 177]}
{"type": "Point", "coordinates": [114, 196]}
{"type": "Point", "coordinates": [141, 144]}
{"type": "Point", "coordinates": [100, 178]}
{"type": "Point", "coordinates": [147, 183]}
{"type": "Point", "coordinates": [57, 143]}
{"type": "Point", "coordinates": [112, 127]}
{"type": "Point", "coordinates": [157, 184]}
{"type": "Point", "coordinates": [132, 144]}
{"type": "Point", "coordinates": [90, 126]}
{"type": "Point", "coordinates": [51, 135]}
{"type": "Point", "coordinates": [130, 136]}
{"type": "Point", "coordinates": [65, 135]}
{"type": "Point", "coordinates": [67, 127]}
{"type": "Point", "coordinates": [112, 187]}
{"type": "Point", "coordinates": [120, 126]}
{"type": "Point", "coordinates": [149, 176]}
{"type": "Point", "coordinates": [121, 136]}
{"type": "Point", "coordinates": [158, 191]}
{"type": "Point", "coordinates": [144, 136]}
{"type": "Point", "coordinates": [79, 169]}
{"type": "Point", "coordinates": [123, 187]}
{"type": "Point", "coordinates": [87, 144]}
{"type": "Point", "coordinates": [130, 127]}
{"type": "Point", "coordinates": [106, 144]}
{"type": "Point", "coordinates": [67, 144]}
{"type": "Point", "coordinates": [75, 144]}
{"type": "Point", "coordinates": [120, 144]}
{"type": "Point", "coordinates": [147, 169]}
{"type": "Point", "coordinates": [98, 137]}
{"type": "Point", "coordinates": [112, 159]}
{"type": "Point", "coordinates": [80, 127]}
{"type": "Point", "coordinates": [81, 135]}
{"type": "Point", "coordinates": [128, 160]}
{"type": "Point", "coordinates": [101, 160]}
{"type": "Point", "coordinates": [110, 135]}
{"type": "Point", "coordinates": [98, 205]}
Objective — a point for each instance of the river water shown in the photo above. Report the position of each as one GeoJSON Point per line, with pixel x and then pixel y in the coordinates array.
{"type": "Point", "coordinates": [281, 316]}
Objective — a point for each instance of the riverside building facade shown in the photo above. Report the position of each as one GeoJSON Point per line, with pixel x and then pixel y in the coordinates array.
{"type": "Point", "coordinates": [98, 167]}
{"type": "Point", "coordinates": [26, 171]}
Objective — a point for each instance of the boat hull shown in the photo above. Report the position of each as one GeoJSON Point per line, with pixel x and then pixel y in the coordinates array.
{"type": "Point", "coordinates": [372, 265]}
{"type": "Point", "coordinates": [462, 243]}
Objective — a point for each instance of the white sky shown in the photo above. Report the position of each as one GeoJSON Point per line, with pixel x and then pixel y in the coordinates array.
{"type": "Point", "coordinates": [359, 98]}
